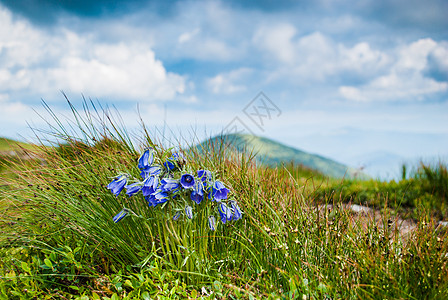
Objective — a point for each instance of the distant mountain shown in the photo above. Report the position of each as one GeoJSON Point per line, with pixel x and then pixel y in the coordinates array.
{"type": "Point", "coordinates": [272, 153]}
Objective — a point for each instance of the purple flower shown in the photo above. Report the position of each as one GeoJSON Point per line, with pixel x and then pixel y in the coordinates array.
{"type": "Point", "coordinates": [225, 212]}
{"type": "Point", "coordinates": [176, 160]}
{"type": "Point", "coordinates": [176, 216]}
{"type": "Point", "coordinates": [189, 212]}
{"type": "Point", "coordinates": [123, 213]}
{"type": "Point", "coordinates": [145, 164]}
{"type": "Point", "coordinates": [187, 181]}
{"type": "Point", "coordinates": [169, 184]}
{"type": "Point", "coordinates": [236, 211]}
{"type": "Point", "coordinates": [212, 223]}
{"type": "Point", "coordinates": [117, 185]}
{"type": "Point", "coordinates": [205, 176]}
{"type": "Point", "coordinates": [133, 189]}
{"type": "Point", "coordinates": [151, 171]}
{"type": "Point", "coordinates": [219, 191]}
{"type": "Point", "coordinates": [146, 159]}
{"type": "Point", "coordinates": [157, 198]}
{"type": "Point", "coordinates": [150, 185]}
{"type": "Point", "coordinates": [197, 194]}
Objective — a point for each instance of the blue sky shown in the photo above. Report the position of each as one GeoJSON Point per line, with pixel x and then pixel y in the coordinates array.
{"type": "Point", "coordinates": [363, 82]}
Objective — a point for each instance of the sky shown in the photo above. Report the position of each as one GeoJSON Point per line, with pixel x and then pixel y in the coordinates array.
{"type": "Point", "coordinates": [362, 82]}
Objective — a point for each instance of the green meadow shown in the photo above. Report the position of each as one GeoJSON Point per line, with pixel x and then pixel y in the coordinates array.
{"type": "Point", "coordinates": [302, 235]}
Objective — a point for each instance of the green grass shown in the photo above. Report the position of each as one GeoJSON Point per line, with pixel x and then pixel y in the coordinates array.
{"type": "Point", "coordinates": [295, 238]}
{"type": "Point", "coordinates": [426, 188]}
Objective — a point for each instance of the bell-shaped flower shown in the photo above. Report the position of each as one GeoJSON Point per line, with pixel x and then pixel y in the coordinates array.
{"type": "Point", "coordinates": [212, 223]}
{"type": "Point", "coordinates": [151, 171]}
{"type": "Point", "coordinates": [146, 159]}
{"type": "Point", "coordinates": [187, 181]}
{"type": "Point", "coordinates": [169, 184]}
{"type": "Point", "coordinates": [176, 216]}
{"type": "Point", "coordinates": [157, 198]}
{"type": "Point", "coordinates": [123, 213]}
{"type": "Point", "coordinates": [150, 185]}
{"type": "Point", "coordinates": [225, 212]}
{"type": "Point", "coordinates": [133, 188]}
{"type": "Point", "coordinates": [189, 212]}
{"type": "Point", "coordinates": [176, 161]}
{"type": "Point", "coordinates": [219, 191]}
{"type": "Point", "coordinates": [197, 194]}
{"type": "Point", "coordinates": [236, 211]}
{"type": "Point", "coordinates": [205, 176]}
{"type": "Point", "coordinates": [118, 184]}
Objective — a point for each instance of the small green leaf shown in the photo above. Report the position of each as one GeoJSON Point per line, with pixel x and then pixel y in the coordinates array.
{"type": "Point", "coordinates": [48, 263]}
{"type": "Point", "coordinates": [25, 267]}
{"type": "Point", "coordinates": [194, 294]}
{"type": "Point", "coordinates": [146, 296]}
{"type": "Point", "coordinates": [128, 283]}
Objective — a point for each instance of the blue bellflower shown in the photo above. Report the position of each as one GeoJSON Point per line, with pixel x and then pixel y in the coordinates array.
{"type": "Point", "coordinates": [176, 216]}
{"type": "Point", "coordinates": [157, 198]}
{"type": "Point", "coordinates": [123, 213]}
{"type": "Point", "coordinates": [187, 181]}
{"type": "Point", "coordinates": [212, 223]}
{"type": "Point", "coordinates": [205, 176]}
{"type": "Point", "coordinates": [236, 211]}
{"type": "Point", "coordinates": [189, 212]}
{"type": "Point", "coordinates": [197, 194]}
{"type": "Point", "coordinates": [219, 191]}
{"type": "Point", "coordinates": [174, 161]}
{"type": "Point", "coordinates": [118, 184]}
{"type": "Point", "coordinates": [146, 159]}
{"type": "Point", "coordinates": [145, 164]}
{"type": "Point", "coordinates": [225, 212]}
{"type": "Point", "coordinates": [133, 188]}
{"type": "Point", "coordinates": [169, 184]}
{"type": "Point", "coordinates": [150, 185]}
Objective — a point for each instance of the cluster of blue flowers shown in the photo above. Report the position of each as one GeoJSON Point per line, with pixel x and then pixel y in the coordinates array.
{"type": "Point", "coordinates": [166, 182]}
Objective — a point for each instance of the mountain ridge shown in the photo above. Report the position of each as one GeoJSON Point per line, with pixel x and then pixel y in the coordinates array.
{"type": "Point", "coordinates": [273, 153]}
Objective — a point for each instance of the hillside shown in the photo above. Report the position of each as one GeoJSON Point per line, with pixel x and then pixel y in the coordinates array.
{"type": "Point", "coordinates": [272, 153]}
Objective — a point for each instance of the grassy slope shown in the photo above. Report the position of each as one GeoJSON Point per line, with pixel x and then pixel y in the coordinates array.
{"type": "Point", "coordinates": [272, 153]}
{"type": "Point", "coordinates": [7, 145]}
{"type": "Point", "coordinates": [283, 246]}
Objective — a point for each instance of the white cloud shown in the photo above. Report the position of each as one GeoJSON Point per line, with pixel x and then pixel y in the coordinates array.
{"type": "Point", "coordinates": [35, 62]}
{"type": "Point", "coordinates": [316, 57]}
{"type": "Point", "coordinates": [229, 82]}
{"type": "Point", "coordinates": [405, 79]}
{"type": "Point", "coordinates": [187, 36]}
{"type": "Point", "coordinates": [277, 40]}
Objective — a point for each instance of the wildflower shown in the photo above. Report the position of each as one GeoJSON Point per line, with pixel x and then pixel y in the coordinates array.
{"type": "Point", "coordinates": [176, 216]}
{"type": "Point", "coordinates": [236, 212]}
{"type": "Point", "coordinates": [133, 189]}
{"type": "Point", "coordinates": [225, 212]}
{"type": "Point", "coordinates": [151, 171]}
{"type": "Point", "coordinates": [123, 213]}
{"type": "Point", "coordinates": [150, 185]}
{"type": "Point", "coordinates": [189, 212]}
{"type": "Point", "coordinates": [157, 197]}
{"type": "Point", "coordinates": [146, 159]}
{"type": "Point", "coordinates": [205, 176]}
{"type": "Point", "coordinates": [219, 191]}
{"type": "Point", "coordinates": [176, 160]}
{"type": "Point", "coordinates": [169, 184]}
{"type": "Point", "coordinates": [212, 223]}
{"type": "Point", "coordinates": [197, 194]}
{"type": "Point", "coordinates": [117, 185]}
{"type": "Point", "coordinates": [187, 181]}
